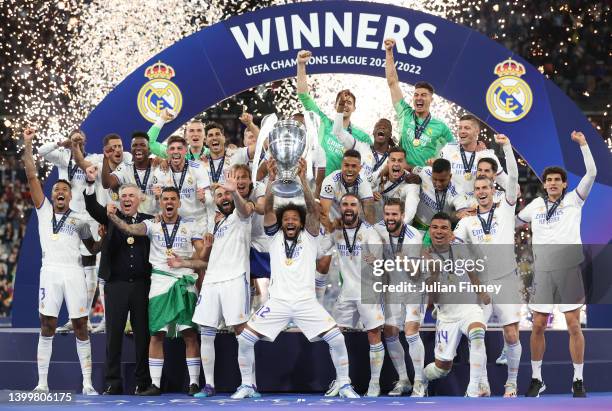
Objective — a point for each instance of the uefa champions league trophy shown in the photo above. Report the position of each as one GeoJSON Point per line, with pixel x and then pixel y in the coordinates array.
{"type": "Point", "coordinates": [287, 143]}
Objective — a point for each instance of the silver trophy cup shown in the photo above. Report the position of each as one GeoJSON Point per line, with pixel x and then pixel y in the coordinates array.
{"type": "Point", "coordinates": [287, 143]}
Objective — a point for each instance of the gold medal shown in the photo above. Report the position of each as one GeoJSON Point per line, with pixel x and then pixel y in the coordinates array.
{"type": "Point", "coordinates": [467, 176]}
{"type": "Point", "coordinates": [130, 240]}
{"type": "Point", "coordinates": [416, 142]}
{"type": "Point", "coordinates": [488, 237]}
{"type": "Point", "coordinates": [55, 236]}
{"type": "Point", "coordinates": [115, 196]}
{"type": "Point", "coordinates": [169, 252]}
{"type": "Point", "coordinates": [289, 261]}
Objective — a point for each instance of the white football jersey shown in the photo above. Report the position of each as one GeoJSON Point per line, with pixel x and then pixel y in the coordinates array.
{"type": "Point", "coordinates": [499, 247]}
{"type": "Point", "coordinates": [229, 257]}
{"type": "Point", "coordinates": [221, 166]}
{"type": "Point", "coordinates": [181, 246]}
{"type": "Point", "coordinates": [63, 249]}
{"type": "Point", "coordinates": [125, 174]}
{"type": "Point", "coordinates": [563, 227]}
{"type": "Point", "coordinates": [195, 178]}
{"type": "Point", "coordinates": [292, 279]}
{"type": "Point", "coordinates": [427, 208]}
{"type": "Point", "coordinates": [350, 262]}
{"type": "Point", "coordinates": [452, 153]}
{"type": "Point", "coordinates": [411, 248]}
{"type": "Point", "coordinates": [407, 193]}
{"type": "Point", "coordinates": [333, 189]}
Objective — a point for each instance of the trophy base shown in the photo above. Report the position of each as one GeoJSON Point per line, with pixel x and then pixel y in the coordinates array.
{"type": "Point", "coordinates": [286, 188]}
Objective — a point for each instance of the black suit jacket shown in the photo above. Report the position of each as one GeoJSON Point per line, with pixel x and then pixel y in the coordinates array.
{"type": "Point", "coordinates": [98, 213]}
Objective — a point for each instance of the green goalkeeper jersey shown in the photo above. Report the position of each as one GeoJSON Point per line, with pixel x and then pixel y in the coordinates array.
{"type": "Point", "coordinates": [334, 150]}
{"type": "Point", "coordinates": [435, 135]}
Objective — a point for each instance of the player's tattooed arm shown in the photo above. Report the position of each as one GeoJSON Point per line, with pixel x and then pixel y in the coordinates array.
{"type": "Point", "coordinates": [139, 229]}
{"type": "Point", "coordinates": [196, 261]}
{"type": "Point", "coordinates": [370, 211]}
{"type": "Point", "coordinates": [94, 247]}
{"type": "Point", "coordinates": [391, 72]}
{"type": "Point", "coordinates": [269, 215]}
{"type": "Point", "coordinates": [36, 191]}
{"type": "Point", "coordinates": [312, 210]}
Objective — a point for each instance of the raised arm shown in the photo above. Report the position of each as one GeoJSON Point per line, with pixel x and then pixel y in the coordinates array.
{"type": "Point", "coordinates": [347, 140]}
{"type": "Point", "coordinates": [512, 180]}
{"type": "Point", "coordinates": [50, 151]}
{"type": "Point", "coordinates": [302, 81]}
{"type": "Point", "coordinates": [155, 147]}
{"type": "Point", "coordinates": [96, 210]}
{"type": "Point", "coordinates": [108, 179]}
{"type": "Point", "coordinates": [30, 168]}
{"type": "Point", "coordinates": [587, 181]}
{"type": "Point", "coordinates": [391, 73]}
{"type": "Point", "coordinates": [77, 151]}
{"type": "Point", "coordinates": [245, 209]}
{"type": "Point", "coordinates": [139, 229]}
{"type": "Point", "coordinates": [269, 216]}
{"type": "Point", "coordinates": [247, 119]}
{"type": "Point", "coordinates": [312, 211]}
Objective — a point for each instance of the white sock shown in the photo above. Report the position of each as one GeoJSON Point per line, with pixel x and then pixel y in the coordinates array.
{"type": "Point", "coordinates": [432, 372]}
{"type": "Point", "coordinates": [484, 377]}
{"type": "Point", "coordinates": [84, 352]}
{"type": "Point", "coordinates": [477, 357]}
{"type": "Point", "coordinates": [398, 357]}
{"type": "Point", "coordinates": [246, 356]}
{"type": "Point", "coordinates": [193, 366]}
{"type": "Point", "coordinates": [513, 353]}
{"type": "Point", "coordinates": [377, 356]}
{"type": "Point", "coordinates": [321, 281]}
{"type": "Point", "coordinates": [91, 280]}
{"type": "Point", "coordinates": [337, 348]}
{"type": "Point", "coordinates": [45, 347]}
{"type": "Point", "coordinates": [536, 369]}
{"type": "Point", "coordinates": [416, 349]}
{"type": "Point", "coordinates": [156, 365]}
{"type": "Point", "coordinates": [207, 353]}
{"type": "Point", "coordinates": [578, 371]}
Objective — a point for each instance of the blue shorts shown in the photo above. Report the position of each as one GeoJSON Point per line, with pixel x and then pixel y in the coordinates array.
{"type": "Point", "coordinates": [260, 264]}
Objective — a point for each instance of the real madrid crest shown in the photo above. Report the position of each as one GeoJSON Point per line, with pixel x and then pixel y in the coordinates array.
{"type": "Point", "coordinates": [183, 231]}
{"type": "Point", "coordinates": [509, 97]}
{"type": "Point", "coordinates": [72, 221]}
{"type": "Point", "coordinates": [159, 92]}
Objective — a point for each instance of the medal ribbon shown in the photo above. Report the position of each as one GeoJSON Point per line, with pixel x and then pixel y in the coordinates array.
{"type": "Point", "coordinates": [400, 240]}
{"type": "Point", "coordinates": [215, 174]}
{"type": "Point", "coordinates": [440, 200]}
{"type": "Point", "coordinates": [467, 166]}
{"type": "Point", "coordinates": [378, 160]}
{"type": "Point", "coordinates": [354, 189]}
{"type": "Point", "coordinates": [143, 184]}
{"type": "Point", "coordinates": [551, 212]}
{"type": "Point", "coordinates": [351, 247]}
{"type": "Point", "coordinates": [395, 184]}
{"type": "Point", "coordinates": [71, 170]}
{"type": "Point", "coordinates": [192, 157]}
{"type": "Point", "coordinates": [183, 174]}
{"type": "Point", "coordinates": [289, 250]}
{"type": "Point", "coordinates": [218, 225]}
{"type": "Point", "coordinates": [57, 226]}
{"type": "Point", "coordinates": [169, 239]}
{"type": "Point", "coordinates": [486, 225]}
{"type": "Point", "coordinates": [418, 129]}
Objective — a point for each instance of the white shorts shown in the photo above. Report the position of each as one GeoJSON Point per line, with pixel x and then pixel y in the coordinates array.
{"type": "Point", "coordinates": [448, 334]}
{"type": "Point", "coordinates": [275, 314]}
{"type": "Point", "coordinates": [508, 311]}
{"type": "Point", "coordinates": [397, 315]}
{"type": "Point", "coordinates": [59, 283]}
{"type": "Point", "coordinates": [178, 328]}
{"type": "Point", "coordinates": [348, 313]}
{"type": "Point", "coordinates": [229, 300]}
{"type": "Point", "coordinates": [563, 287]}
{"type": "Point", "coordinates": [325, 245]}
